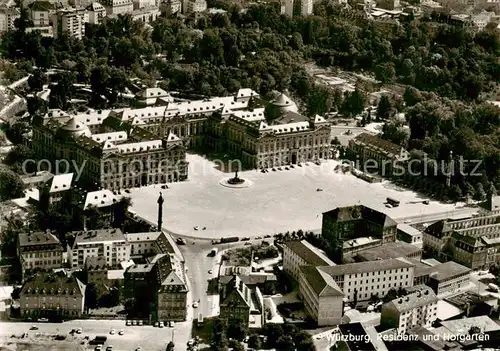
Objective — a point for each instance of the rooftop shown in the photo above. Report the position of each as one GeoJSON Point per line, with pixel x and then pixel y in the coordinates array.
{"type": "Point", "coordinates": [417, 299]}
{"type": "Point", "coordinates": [53, 284]}
{"type": "Point", "coordinates": [322, 283]}
{"type": "Point", "coordinates": [388, 250]}
{"type": "Point", "coordinates": [61, 182]}
{"type": "Point", "coordinates": [362, 341]}
{"type": "Point", "coordinates": [99, 235]}
{"type": "Point", "coordinates": [310, 254]}
{"type": "Point", "coordinates": [146, 236]}
{"type": "Point", "coordinates": [358, 212]}
{"type": "Point", "coordinates": [449, 270]}
{"type": "Point", "coordinates": [99, 198]}
{"type": "Point", "coordinates": [365, 267]}
{"type": "Point", "coordinates": [408, 229]}
{"type": "Point", "coordinates": [37, 239]}
{"type": "Point", "coordinates": [378, 143]}
{"type": "Point", "coordinates": [462, 326]}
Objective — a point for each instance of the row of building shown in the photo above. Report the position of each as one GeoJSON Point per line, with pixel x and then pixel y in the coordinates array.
{"type": "Point", "coordinates": [51, 18]}
{"type": "Point", "coordinates": [107, 257]}
{"type": "Point", "coordinates": [134, 147]}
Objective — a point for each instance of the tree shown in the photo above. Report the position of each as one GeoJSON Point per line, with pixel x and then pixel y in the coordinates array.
{"type": "Point", "coordinates": [237, 330]}
{"type": "Point", "coordinates": [11, 186]}
{"type": "Point", "coordinates": [391, 295]}
{"type": "Point", "coordinates": [285, 343]}
{"type": "Point", "coordinates": [480, 193]}
{"type": "Point", "coordinates": [120, 211]}
{"type": "Point", "coordinates": [236, 345]}
{"type": "Point", "coordinates": [90, 296]}
{"type": "Point", "coordinates": [273, 332]}
{"type": "Point", "coordinates": [170, 346]}
{"type": "Point", "coordinates": [37, 80]}
{"type": "Point", "coordinates": [385, 110]}
{"type": "Point", "coordinates": [254, 342]}
{"type": "Point", "coordinates": [16, 157]}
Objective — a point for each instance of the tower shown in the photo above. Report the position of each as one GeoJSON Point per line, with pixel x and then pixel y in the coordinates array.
{"type": "Point", "coordinates": [160, 211]}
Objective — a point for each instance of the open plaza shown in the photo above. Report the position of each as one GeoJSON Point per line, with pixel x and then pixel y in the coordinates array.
{"type": "Point", "coordinates": [276, 201]}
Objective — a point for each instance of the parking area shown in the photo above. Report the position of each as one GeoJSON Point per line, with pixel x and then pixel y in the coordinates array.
{"type": "Point", "coordinates": [278, 201]}
{"type": "Point", "coordinates": [149, 338]}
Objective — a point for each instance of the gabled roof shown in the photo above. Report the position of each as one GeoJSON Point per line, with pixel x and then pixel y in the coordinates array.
{"type": "Point", "coordinates": [235, 298]}
{"type": "Point", "coordinates": [40, 6]}
{"type": "Point", "coordinates": [37, 239]}
{"type": "Point", "coordinates": [60, 182]}
{"type": "Point", "coordinates": [322, 283]}
{"type": "Point", "coordinates": [310, 254]}
{"type": "Point", "coordinates": [99, 198]}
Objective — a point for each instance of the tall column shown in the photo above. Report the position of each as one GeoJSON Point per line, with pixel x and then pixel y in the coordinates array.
{"type": "Point", "coordinates": [160, 211]}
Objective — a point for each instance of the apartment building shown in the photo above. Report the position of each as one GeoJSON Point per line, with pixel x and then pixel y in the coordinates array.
{"type": "Point", "coordinates": [143, 244]}
{"type": "Point", "coordinates": [359, 281]}
{"type": "Point", "coordinates": [53, 296]}
{"type": "Point", "coordinates": [40, 12]}
{"type": "Point", "coordinates": [97, 12]}
{"type": "Point", "coordinates": [170, 7]}
{"type": "Point", "coordinates": [108, 243]}
{"type": "Point", "coordinates": [301, 253]}
{"type": "Point", "coordinates": [90, 207]}
{"type": "Point", "coordinates": [116, 7]}
{"type": "Point", "coordinates": [70, 21]}
{"type": "Point", "coordinates": [474, 242]}
{"type": "Point", "coordinates": [351, 229]}
{"type": "Point", "coordinates": [323, 299]}
{"type": "Point", "coordinates": [40, 250]}
{"type": "Point", "coordinates": [8, 15]}
{"type": "Point", "coordinates": [193, 6]}
{"type": "Point", "coordinates": [239, 302]}
{"type": "Point", "coordinates": [418, 309]}
{"type": "Point", "coordinates": [298, 7]}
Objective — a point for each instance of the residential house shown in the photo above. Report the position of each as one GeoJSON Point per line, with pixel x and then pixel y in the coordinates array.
{"type": "Point", "coordinates": [8, 16]}
{"type": "Point", "coordinates": [39, 250]}
{"type": "Point", "coordinates": [416, 309]}
{"type": "Point", "coordinates": [96, 13]}
{"type": "Point", "coordinates": [40, 12]}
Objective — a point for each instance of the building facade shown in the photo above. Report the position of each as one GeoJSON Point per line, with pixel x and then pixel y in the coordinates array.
{"type": "Point", "coordinates": [116, 7]}
{"type": "Point", "coordinates": [322, 297]}
{"type": "Point", "coordinates": [301, 253]}
{"type": "Point", "coordinates": [449, 277]}
{"type": "Point", "coordinates": [192, 6]}
{"type": "Point", "coordinates": [52, 296]}
{"type": "Point", "coordinates": [40, 12]}
{"type": "Point", "coordinates": [344, 225]}
{"type": "Point", "coordinates": [97, 12]}
{"type": "Point", "coordinates": [418, 309]}
{"type": "Point", "coordinates": [473, 242]}
{"type": "Point", "coordinates": [70, 21]}
{"type": "Point", "coordinates": [108, 243]}
{"type": "Point", "coordinates": [359, 281]}
{"type": "Point", "coordinates": [40, 250]}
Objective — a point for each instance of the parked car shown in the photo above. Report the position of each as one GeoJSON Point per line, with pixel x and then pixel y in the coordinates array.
{"type": "Point", "coordinates": [171, 324]}
{"type": "Point", "coordinates": [196, 227]}
{"type": "Point", "coordinates": [127, 191]}
{"type": "Point", "coordinates": [138, 349]}
{"type": "Point", "coordinates": [98, 348]}
{"type": "Point", "coordinates": [134, 322]}
{"type": "Point", "coordinates": [195, 304]}
{"type": "Point", "coordinates": [34, 327]}
{"type": "Point", "coordinates": [210, 271]}
{"type": "Point", "coordinates": [128, 322]}
{"type": "Point", "coordinates": [112, 332]}
{"type": "Point", "coordinates": [245, 239]}
{"type": "Point", "coordinates": [286, 168]}
{"type": "Point", "coordinates": [121, 332]}
{"type": "Point", "coordinates": [79, 331]}
{"type": "Point", "coordinates": [44, 320]}
{"type": "Point", "coordinates": [267, 236]}
{"type": "Point", "coordinates": [109, 348]}
{"type": "Point", "coordinates": [161, 325]}
{"type": "Point", "coordinates": [140, 322]}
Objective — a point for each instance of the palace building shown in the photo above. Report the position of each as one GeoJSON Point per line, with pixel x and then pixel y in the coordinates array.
{"type": "Point", "coordinates": [125, 148]}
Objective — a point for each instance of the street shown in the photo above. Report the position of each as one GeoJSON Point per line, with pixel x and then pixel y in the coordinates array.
{"type": "Point", "coordinates": [147, 337]}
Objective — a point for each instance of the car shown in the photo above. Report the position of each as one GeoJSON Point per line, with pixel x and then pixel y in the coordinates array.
{"type": "Point", "coordinates": [79, 331]}
{"type": "Point", "coordinates": [134, 322]}
{"type": "Point", "coordinates": [109, 348]}
{"type": "Point", "coordinates": [121, 332]}
{"type": "Point", "coordinates": [164, 186]}
{"type": "Point", "coordinates": [127, 191]}
{"type": "Point", "coordinates": [299, 164]}
{"type": "Point", "coordinates": [267, 236]}
{"type": "Point", "coordinates": [388, 205]}
{"type": "Point", "coordinates": [248, 243]}
{"type": "Point", "coordinates": [112, 332]}
{"type": "Point", "coordinates": [286, 168]}
{"type": "Point", "coordinates": [98, 348]}
{"type": "Point", "coordinates": [140, 322]}
{"type": "Point", "coordinates": [210, 271]}
{"type": "Point", "coordinates": [280, 169]}
{"type": "Point", "coordinates": [34, 327]}
{"type": "Point", "coordinates": [292, 166]}
{"type": "Point", "coordinates": [128, 323]}
{"type": "Point", "coordinates": [274, 169]}
{"type": "Point", "coordinates": [180, 241]}
{"type": "Point", "coordinates": [196, 227]}
{"type": "Point", "coordinates": [171, 324]}
{"type": "Point", "coordinates": [258, 237]}
{"type": "Point", "coordinates": [426, 202]}
{"type": "Point", "coordinates": [161, 325]}
{"type": "Point", "coordinates": [190, 343]}
{"type": "Point", "coordinates": [195, 304]}
{"type": "Point", "coordinates": [245, 239]}
{"type": "Point", "coordinates": [407, 221]}
{"type": "Point", "coordinates": [319, 189]}
{"type": "Point", "coordinates": [138, 349]}
{"type": "Point", "coordinates": [43, 320]}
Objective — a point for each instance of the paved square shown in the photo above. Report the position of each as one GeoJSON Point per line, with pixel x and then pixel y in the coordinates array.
{"type": "Point", "coordinates": [275, 202]}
